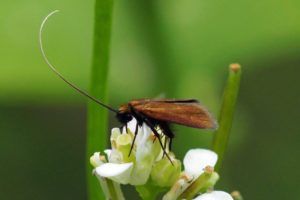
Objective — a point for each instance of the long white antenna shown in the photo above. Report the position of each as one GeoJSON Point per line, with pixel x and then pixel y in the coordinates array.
{"type": "Point", "coordinates": [59, 74]}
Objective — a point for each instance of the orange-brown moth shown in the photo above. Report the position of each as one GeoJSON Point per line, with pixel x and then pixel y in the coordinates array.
{"type": "Point", "coordinates": [157, 114]}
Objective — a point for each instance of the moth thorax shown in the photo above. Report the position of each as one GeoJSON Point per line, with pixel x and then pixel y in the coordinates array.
{"type": "Point", "coordinates": [124, 109]}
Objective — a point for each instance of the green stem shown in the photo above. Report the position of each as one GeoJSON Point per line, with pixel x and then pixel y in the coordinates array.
{"type": "Point", "coordinates": [201, 184]}
{"type": "Point", "coordinates": [149, 191]}
{"type": "Point", "coordinates": [112, 192]}
{"type": "Point", "coordinates": [113, 195]}
{"type": "Point", "coordinates": [221, 136]}
{"type": "Point", "coordinates": [97, 117]}
{"type": "Point", "coordinates": [111, 189]}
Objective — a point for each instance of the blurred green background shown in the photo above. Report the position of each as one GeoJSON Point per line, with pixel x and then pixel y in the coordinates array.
{"type": "Point", "coordinates": [178, 48]}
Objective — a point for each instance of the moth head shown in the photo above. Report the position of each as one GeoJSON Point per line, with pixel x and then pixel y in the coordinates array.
{"type": "Point", "coordinates": [123, 114]}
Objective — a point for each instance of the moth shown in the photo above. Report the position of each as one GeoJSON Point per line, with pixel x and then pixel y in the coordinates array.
{"type": "Point", "coordinates": [156, 113]}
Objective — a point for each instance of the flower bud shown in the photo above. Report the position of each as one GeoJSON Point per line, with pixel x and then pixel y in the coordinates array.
{"type": "Point", "coordinates": [96, 159]}
{"type": "Point", "coordinates": [236, 195]}
{"type": "Point", "coordinates": [123, 145]}
{"type": "Point", "coordinates": [216, 195]}
{"type": "Point", "coordinates": [164, 173]}
{"type": "Point", "coordinates": [115, 133]}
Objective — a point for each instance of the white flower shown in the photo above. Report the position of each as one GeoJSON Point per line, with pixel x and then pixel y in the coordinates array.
{"type": "Point", "coordinates": [195, 162]}
{"type": "Point", "coordinates": [215, 195]}
{"type": "Point", "coordinates": [119, 173]}
{"type": "Point", "coordinates": [147, 163]}
{"type": "Point", "coordinates": [96, 159]}
{"type": "Point", "coordinates": [136, 168]}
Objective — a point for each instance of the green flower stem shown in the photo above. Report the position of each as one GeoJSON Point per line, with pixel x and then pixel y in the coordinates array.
{"type": "Point", "coordinates": [97, 116]}
{"type": "Point", "coordinates": [113, 194]}
{"type": "Point", "coordinates": [201, 184]}
{"type": "Point", "coordinates": [221, 136]}
{"type": "Point", "coordinates": [111, 189]}
{"type": "Point", "coordinates": [149, 191]}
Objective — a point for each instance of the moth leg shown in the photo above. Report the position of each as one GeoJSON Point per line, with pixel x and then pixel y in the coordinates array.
{"type": "Point", "coordinates": [121, 129]}
{"type": "Point", "coordinates": [134, 137]}
{"type": "Point", "coordinates": [152, 127]}
{"type": "Point", "coordinates": [165, 145]}
{"type": "Point", "coordinates": [161, 136]}
{"type": "Point", "coordinates": [167, 132]}
{"type": "Point", "coordinates": [141, 118]}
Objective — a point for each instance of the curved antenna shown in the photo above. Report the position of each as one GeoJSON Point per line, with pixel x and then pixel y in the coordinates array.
{"type": "Point", "coordinates": [59, 74]}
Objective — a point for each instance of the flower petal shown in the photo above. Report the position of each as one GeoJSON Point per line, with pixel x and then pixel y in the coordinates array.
{"type": "Point", "coordinates": [146, 153]}
{"type": "Point", "coordinates": [108, 152]}
{"type": "Point", "coordinates": [132, 125]}
{"type": "Point", "coordinates": [215, 195]}
{"type": "Point", "coordinates": [95, 159]}
{"type": "Point", "coordinates": [116, 172]}
{"type": "Point", "coordinates": [197, 159]}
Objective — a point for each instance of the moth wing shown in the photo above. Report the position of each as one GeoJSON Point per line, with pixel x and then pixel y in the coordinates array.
{"type": "Point", "coordinates": [185, 112]}
{"type": "Point", "coordinates": [171, 100]}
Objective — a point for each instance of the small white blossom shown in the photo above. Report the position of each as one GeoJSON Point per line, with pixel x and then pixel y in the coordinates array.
{"type": "Point", "coordinates": [136, 168]}
{"type": "Point", "coordinates": [146, 164]}
{"type": "Point", "coordinates": [195, 162]}
{"type": "Point", "coordinates": [215, 195]}
{"type": "Point", "coordinates": [116, 172]}
{"type": "Point", "coordinates": [96, 159]}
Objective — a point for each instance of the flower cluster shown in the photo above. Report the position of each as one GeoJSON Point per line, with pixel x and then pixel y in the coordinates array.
{"type": "Point", "coordinates": [146, 167]}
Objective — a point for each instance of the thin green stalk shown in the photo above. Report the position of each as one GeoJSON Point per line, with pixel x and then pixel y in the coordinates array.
{"type": "Point", "coordinates": [97, 136]}
{"type": "Point", "coordinates": [149, 191]}
{"type": "Point", "coordinates": [201, 184]}
{"type": "Point", "coordinates": [110, 189]}
{"type": "Point", "coordinates": [221, 136]}
{"type": "Point", "coordinates": [113, 193]}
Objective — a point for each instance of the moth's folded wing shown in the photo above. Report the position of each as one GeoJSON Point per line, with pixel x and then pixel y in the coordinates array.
{"type": "Point", "coordinates": [190, 114]}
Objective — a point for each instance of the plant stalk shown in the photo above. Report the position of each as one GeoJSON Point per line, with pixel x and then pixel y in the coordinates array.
{"type": "Point", "coordinates": [97, 136]}
{"type": "Point", "coordinates": [221, 136]}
